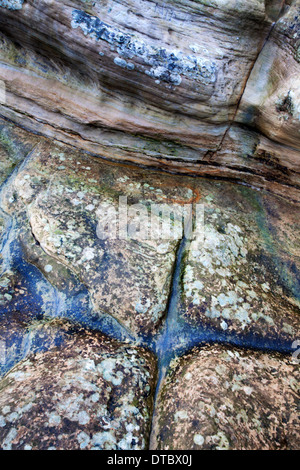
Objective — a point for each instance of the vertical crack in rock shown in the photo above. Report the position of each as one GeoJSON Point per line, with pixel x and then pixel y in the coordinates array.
{"type": "Point", "coordinates": [165, 342]}
{"type": "Point", "coordinates": [232, 121]}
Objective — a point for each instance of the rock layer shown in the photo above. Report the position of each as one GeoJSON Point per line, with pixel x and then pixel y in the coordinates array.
{"type": "Point", "coordinates": [208, 88]}
{"type": "Point", "coordinates": [153, 290]}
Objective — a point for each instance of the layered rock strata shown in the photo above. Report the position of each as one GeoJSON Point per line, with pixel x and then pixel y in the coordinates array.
{"type": "Point", "coordinates": [208, 88]}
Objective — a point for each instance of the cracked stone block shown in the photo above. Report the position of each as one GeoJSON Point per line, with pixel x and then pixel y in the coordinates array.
{"type": "Point", "coordinates": [60, 198]}
{"type": "Point", "coordinates": [242, 279]}
{"type": "Point", "coordinates": [89, 393]}
{"type": "Point", "coordinates": [221, 398]}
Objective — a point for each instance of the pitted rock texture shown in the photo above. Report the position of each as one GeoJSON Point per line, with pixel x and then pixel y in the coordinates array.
{"type": "Point", "coordinates": [241, 275]}
{"type": "Point", "coordinates": [117, 330]}
{"type": "Point", "coordinates": [61, 197]}
{"type": "Point", "coordinates": [90, 393]}
{"type": "Point", "coordinates": [228, 399]}
{"type": "Point", "coordinates": [209, 87]}
{"type": "Point", "coordinates": [60, 276]}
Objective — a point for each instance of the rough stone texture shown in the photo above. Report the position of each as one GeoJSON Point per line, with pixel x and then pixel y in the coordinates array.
{"type": "Point", "coordinates": [129, 83]}
{"type": "Point", "coordinates": [92, 393]}
{"type": "Point", "coordinates": [271, 102]}
{"type": "Point", "coordinates": [242, 277]}
{"type": "Point", "coordinates": [223, 398]}
{"type": "Point", "coordinates": [60, 197]}
{"type": "Point", "coordinates": [240, 286]}
{"type": "Point", "coordinates": [15, 145]}
{"type": "Point", "coordinates": [103, 340]}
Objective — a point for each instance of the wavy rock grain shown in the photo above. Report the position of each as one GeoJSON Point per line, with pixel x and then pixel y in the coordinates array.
{"type": "Point", "coordinates": [172, 85]}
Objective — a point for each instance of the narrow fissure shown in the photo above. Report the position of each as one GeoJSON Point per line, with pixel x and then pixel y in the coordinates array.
{"type": "Point", "coordinates": [165, 342]}
{"type": "Point", "coordinates": [233, 120]}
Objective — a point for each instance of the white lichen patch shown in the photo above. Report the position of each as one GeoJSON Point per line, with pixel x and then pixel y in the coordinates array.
{"type": "Point", "coordinates": [108, 369]}
{"type": "Point", "coordinates": [162, 64]}
{"type": "Point", "coordinates": [54, 419]}
{"type": "Point", "coordinates": [12, 4]}
{"type": "Point", "coordinates": [181, 414]}
{"type": "Point", "coordinates": [142, 306]}
{"type": "Point", "coordinates": [48, 268]}
{"type": "Point", "coordinates": [8, 441]}
{"type": "Point", "coordinates": [198, 439]}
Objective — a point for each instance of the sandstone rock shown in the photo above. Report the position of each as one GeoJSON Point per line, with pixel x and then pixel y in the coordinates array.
{"type": "Point", "coordinates": [271, 99]}
{"type": "Point", "coordinates": [92, 75]}
{"type": "Point", "coordinates": [64, 195]}
{"type": "Point", "coordinates": [223, 398]}
{"type": "Point", "coordinates": [242, 276]}
{"type": "Point", "coordinates": [100, 38]}
{"type": "Point", "coordinates": [92, 393]}
{"type": "Point", "coordinates": [95, 98]}
{"type": "Point", "coordinates": [239, 286]}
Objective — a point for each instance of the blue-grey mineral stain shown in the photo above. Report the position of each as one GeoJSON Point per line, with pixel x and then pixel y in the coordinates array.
{"type": "Point", "coordinates": [12, 4]}
{"type": "Point", "coordinates": [165, 65]}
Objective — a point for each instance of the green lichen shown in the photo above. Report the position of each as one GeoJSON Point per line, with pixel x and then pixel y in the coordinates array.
{"type": "Point", "coordinates": [8, 144]}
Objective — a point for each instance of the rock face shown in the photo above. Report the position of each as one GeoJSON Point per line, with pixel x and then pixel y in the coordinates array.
{"type": "Point", "coordinates": [225, 399]}
{"type": "Point", "coordinates": [240, 277]}
{"type": "Point", "coordinates": [64, 196]}
{"type": "Point", "coordinates": [64, 279]}
{"type": "Point", "coordinates": [209, 87]}
{"type": "Point", "coordinates": [91, 393]}
{"type": "Point", "coordinates": [142, 308]}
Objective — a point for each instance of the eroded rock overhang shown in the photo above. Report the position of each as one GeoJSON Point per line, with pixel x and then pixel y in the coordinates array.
{"type": "Point", "coordinates": [205, 88]}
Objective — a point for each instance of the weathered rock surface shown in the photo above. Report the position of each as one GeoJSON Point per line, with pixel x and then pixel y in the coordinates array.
{"type": "Point", "coordinates": [271, 102]}
{"type": "Point", "coordinates": [222, 398]}
{"type": "Point", "coordinates": [15, 145]}
{"type": "Point", "coordinates": [131, 84]}
{"type": "Point", "coordinates": [91, 393]}
{"type": "Point", "coordinates": [239, 285]}
{"type": "Point", "coordinates": [106, 309]}
{"type": "Point", "coordinates": [64, 195]}
{"type": "Point", "coordinates": [241, 279]}
{"type": "Point", "coordinates": [241, 276]}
